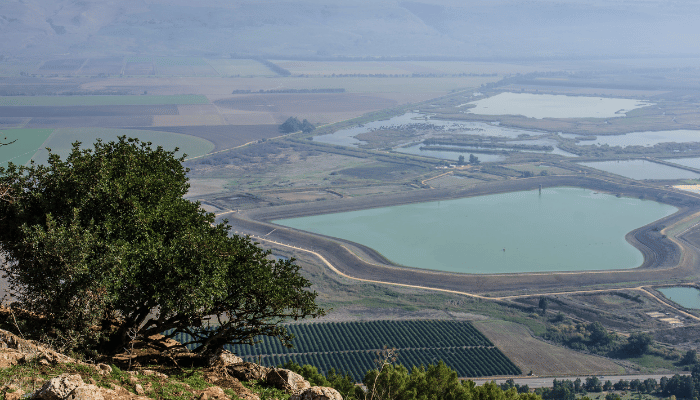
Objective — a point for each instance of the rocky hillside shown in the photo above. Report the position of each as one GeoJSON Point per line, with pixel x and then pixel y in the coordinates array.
{"type": "Point", "coordinates": [30, 370]}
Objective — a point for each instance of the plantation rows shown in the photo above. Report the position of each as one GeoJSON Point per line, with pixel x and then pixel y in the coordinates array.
{"type": "Point", "coordinates": [468, 362]}
{"type": "Point", "coordinates": [342, 336]}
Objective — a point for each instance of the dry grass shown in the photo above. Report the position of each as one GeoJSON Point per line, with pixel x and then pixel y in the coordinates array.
{"type": "Point", "coordinates": [544, 359]}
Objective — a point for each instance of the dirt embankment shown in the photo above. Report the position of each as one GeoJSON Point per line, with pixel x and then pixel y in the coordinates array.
{"type": "Point", "coordinates": [664, 260]}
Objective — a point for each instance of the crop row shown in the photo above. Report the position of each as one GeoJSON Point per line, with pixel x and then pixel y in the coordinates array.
{"type": "Point", "coordinates": [344, 336]}
{"type": "Point", "coordinates": [468, 362]}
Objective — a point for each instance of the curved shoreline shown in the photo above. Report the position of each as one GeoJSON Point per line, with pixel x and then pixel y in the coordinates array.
{"type": "Point", "coordinates": [664, 258]}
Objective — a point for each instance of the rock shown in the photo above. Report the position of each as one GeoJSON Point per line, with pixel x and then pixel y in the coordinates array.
{"type": "Point", "coordinates": [139, 390]}
{"type": "Point", "coordinates": [16, 395]}
{"type": "Point", "coordinates": [318, 393]}
{"type": "Point", "coordinates": [10, 357]}
{"type": "Point", "coordinates": [148, 372]}
{"type": "Point", "coordinates": [58, 388]}
{"type": "Point", "coordinates": [213, 392]}
{"type": "Point", "coordinates": [247, 371]}
{"type": "Point", "coordinates": [86, 392]}
{"type": "Point", "coordinates": [103, 369]}
{"type": "Point", "coordinates": [286, 380]}
{"type": "Point", "coordinates": [223, 358]}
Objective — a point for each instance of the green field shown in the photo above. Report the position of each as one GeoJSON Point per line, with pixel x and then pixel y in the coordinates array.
{"type": "Point", "coordinates": [468, 362]}
{"type": "Point", "coordinates": [21, 151]}
{"type": "Point", "coordinates": [61, 142]}
{"type": "Point", "coordinates": [134, 100]}
{"type": "Point", "coordinates": [352, 347]}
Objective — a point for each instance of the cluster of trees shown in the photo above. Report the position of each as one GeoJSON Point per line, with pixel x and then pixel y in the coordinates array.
{"type": "Point", "coordinates": [394, 381]}
{"type": "Point", "coordinates": [292, 124]}
{"type": "Point", "coordinates": [593, 337]}
{"type": "Point", "coordinates": [105, 249]}
{"type": "Point", "coordinates": [472, 160]}
{"type": "Point", "coordinates": [681, 386]}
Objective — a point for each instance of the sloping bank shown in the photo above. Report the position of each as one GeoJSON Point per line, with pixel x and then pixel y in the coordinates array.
{"type": "Point", "coordinates": [665, 258]}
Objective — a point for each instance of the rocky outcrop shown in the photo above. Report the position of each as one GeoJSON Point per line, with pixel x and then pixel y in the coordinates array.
{"type": "Point", "coordinates": [286, 380]}
{"type": "Point", "coordinates": [247, 371]}
{"type": "Point", "coordinates": [224, 358]}
{"type": "Point", "coordinates": [15, 350]}
{"type": "Point", "coordinates": [59, 388]}
{"type": "Point", "coordinates": [72, 387]}
{"type": "Point", "coordinates": [318, 393]}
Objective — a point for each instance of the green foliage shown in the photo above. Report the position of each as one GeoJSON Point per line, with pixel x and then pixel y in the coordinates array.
{"type": "Point", "coordinates": [437, 381]}
{"type": "Point", "coordinates": [292, 125]}
{"type": "Point", "coordinates": [638, 343]}
{"type": "Point", "coordinates": [343, 383]}
{"type": "Point", "coordinates": [105, 247]}
{"type": "Point", "coordinates": [591, 337]}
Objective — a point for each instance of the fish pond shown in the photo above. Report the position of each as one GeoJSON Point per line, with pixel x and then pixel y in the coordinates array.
{"type": "Point", "coordinates": [688, 297]}
{"type": "Point", "coordinates": [641, 169]}
{"type": "Point", "coordinates": [554, 106]}
{"type": "Point", "coordinates": [502, 233]}
{"type": "Point", "coordinates": [646, 138]}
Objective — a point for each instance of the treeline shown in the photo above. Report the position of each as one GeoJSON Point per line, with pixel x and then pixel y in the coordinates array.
{"type": "Point", "coordinates": [680, 386]}
{"type": "Point", "coordinates": [413, 75]}
{"type": "Point", "coordinates": [332, 90]}
{"type": "Point", "coordinates": [487, 144]}
{"type": "Point", "coordinates": [388, 381]}
{"type": "Point", "coordinates": [273, 67]}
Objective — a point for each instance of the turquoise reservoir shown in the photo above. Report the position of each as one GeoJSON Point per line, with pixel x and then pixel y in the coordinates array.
{"type": "Point", "coordinates": [562, 229]}
{"type": "Point", "coordinates": [688, 297]}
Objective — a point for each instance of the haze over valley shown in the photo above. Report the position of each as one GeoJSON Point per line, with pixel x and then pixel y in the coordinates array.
{"type": "Point", "coordinates": [525, 173]}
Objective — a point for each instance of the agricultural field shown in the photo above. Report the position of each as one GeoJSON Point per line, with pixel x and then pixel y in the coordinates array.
{"type": "Point", "coordinates": [27, 142]}
{"type": "Point", "coordinates": [225, 136]}
{"type": "Point", "coordinates": [352, 346]}
{"type": "Point", "coordinates": [240, 68]}
{"type": "Point", "coordinates": [116, 100]}
{"type": "Point", "coordinates": [543, 359]}
{"type": "Point", "coordinates": [63, 138]}
{"type": "Point", "coordinates": [468, 362]}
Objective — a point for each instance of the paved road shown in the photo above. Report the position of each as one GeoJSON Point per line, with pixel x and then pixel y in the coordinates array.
{"type": "Point", "coordinates": [537, 382]}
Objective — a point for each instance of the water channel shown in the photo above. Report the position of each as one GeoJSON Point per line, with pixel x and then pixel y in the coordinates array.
{"type": "Point", "coordinates": [501, 233]}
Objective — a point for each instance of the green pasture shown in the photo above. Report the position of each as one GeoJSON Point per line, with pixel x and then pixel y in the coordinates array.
{"type": "Point", "coordinates": [27, 141]}
{"type": "Point", "coordinates": [132, 100]}
{"type": "Point", "coordinates": [61, 142]}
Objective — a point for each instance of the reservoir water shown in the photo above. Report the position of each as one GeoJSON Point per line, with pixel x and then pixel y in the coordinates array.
{"type": "Point", "coordinates": [642, 169]}
{"type": "Point", "coordinates": [501, 233]}
{"type": "Point", "coordinates": [688, 297]}
{"type": "Point", "coordinates": [554, 106]}
{"type": "Point", "coordinates": [646, 138]}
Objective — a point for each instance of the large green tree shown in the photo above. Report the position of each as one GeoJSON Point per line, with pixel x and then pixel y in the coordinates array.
{"type": "Point", "coordinates": [105, 248]}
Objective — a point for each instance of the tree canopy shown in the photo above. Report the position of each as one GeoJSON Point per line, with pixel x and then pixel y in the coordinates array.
{"type": "Point", "coordinates": [105, 239]}
{"type": "Point", "coordinates": [292, 124]}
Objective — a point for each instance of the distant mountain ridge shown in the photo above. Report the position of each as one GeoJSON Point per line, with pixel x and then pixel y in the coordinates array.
{"type": "Point", "coordinates": [501, 29]}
